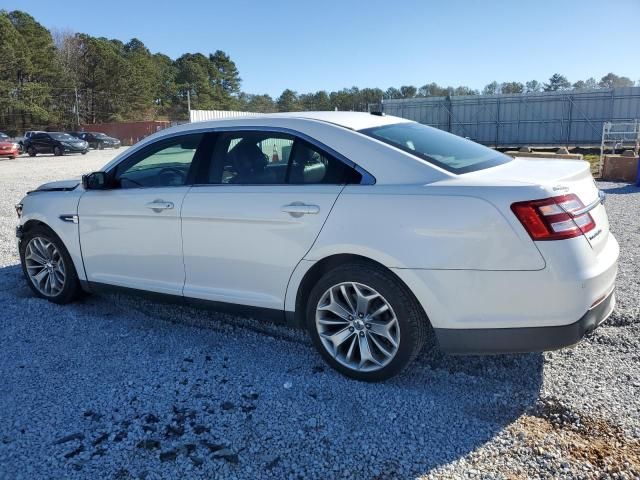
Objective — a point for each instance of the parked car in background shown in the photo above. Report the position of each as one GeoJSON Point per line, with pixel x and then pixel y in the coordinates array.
{"type": "Point", "coordinates": [57, 143]}
{"type": "Point", "coordinates": [8, 148]}
{"type": "Point", "coordinates": [98, 140]}
{"type": "Point", "coordinates": [373, 232]}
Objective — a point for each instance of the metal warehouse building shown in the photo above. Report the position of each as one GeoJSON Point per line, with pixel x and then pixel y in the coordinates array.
{"type": "Point", "coordinates": [570, 118]}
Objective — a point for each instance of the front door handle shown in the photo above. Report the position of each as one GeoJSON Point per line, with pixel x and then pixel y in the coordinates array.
{"type": "Point", "coordinates": [159, 205]}
{"type": "Point", "coordinates": [297, 209]}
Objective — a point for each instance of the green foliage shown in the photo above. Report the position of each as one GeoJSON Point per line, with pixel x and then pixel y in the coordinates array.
{"type": "Point", "coordinates": [557, 82]}
{"type": "Point", "coordinates": [114, 81]}
{"type": "Point", "coordinates": [611, 80]}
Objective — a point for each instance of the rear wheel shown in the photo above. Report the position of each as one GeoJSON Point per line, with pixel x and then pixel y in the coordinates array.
{"type": "Point", "coordinates": [31, 151]}
{"type": "Point", "coordinates": [48, 267]}
{"type": "Point", "coordinates": [365, 322]}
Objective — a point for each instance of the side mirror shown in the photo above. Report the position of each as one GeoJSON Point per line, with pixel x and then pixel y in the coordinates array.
{"type": "Point", "coordinates": [95, 181]}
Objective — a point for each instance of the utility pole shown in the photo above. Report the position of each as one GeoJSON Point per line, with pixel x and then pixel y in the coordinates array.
{"type": "Point", "coordinates": [77, 108]}
{"type": "Point", "coordinates": [189, 103]}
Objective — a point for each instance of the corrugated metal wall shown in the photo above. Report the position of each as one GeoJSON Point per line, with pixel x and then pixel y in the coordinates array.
{"type": "Point", "coordinates": [203, 115]}
{"type": "Point", "coordinates": [572, 118]}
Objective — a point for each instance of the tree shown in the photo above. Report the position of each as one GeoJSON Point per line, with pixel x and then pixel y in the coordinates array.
{"type": "Point", "coordinates": [611, 80]}
{"type": "Point", "coordinates": [432, 90]}
{"type": "Point", "coordinates": [557, 82]}
{"type": "Point", "coordinates": [533, 86]}
{"type": "Point", "coordinates": [288, 101]}
{"type": "Point", "coordinates": [225, 79]}
{"type": "Point", "coordinates": [462, 91]}
{"type": "Point", "coordinates": [512, 87]}
{"type": "Point", "coordinates": [408, 91]}
{"type": "Point", "coordinates": [392, 93]}
{"type": "Point", "coordinates": [492, 88]}
{"type": "Point", "coordinates": [257, 103]}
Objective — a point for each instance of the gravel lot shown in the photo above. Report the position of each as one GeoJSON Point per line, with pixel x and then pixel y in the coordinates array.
{"type": "Point", "coordinates": [117, 387]}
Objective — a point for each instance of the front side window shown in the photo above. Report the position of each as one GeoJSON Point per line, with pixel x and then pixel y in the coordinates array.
{"type": "Point", "coordinates": [165, 164]}
{"type": "Point", "coordinates": [267, 158]}
{"type": "Point", "coordinates": [450, 152]}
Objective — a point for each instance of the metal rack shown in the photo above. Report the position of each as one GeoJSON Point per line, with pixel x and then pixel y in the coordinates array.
{"type": "Point", "coordinates": [619, 136]}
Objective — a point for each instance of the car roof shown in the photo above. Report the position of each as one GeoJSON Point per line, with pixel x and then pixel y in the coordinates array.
{"type": "Point", "coordinates": [351, 120]}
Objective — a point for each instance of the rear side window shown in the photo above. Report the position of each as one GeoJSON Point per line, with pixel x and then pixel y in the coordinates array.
{"type": "Point", "coordinates": [310, 165]}
{"type": "Point", "coordinates": [450, 152]}
{"type": "Point", "coordinates": [267, 158]}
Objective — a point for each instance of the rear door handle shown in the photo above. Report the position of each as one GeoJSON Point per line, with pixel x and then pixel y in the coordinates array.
{"type": "Point", "coordinates": [159, 205]}
{"type": "Point", "coordinates": [297, 209]}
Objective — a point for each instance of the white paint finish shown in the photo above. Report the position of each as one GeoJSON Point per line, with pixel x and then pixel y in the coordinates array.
{"type": "Point", "coordinates": [46, 207]}
{"type": "Point", "coordinates": [239, 244]}
{"type": "Point", "coordinates": [558, 295]}
{"type": "Point", "coordinates": [126, 243]}
{"type": "Point", "coordinates": [424, 229]}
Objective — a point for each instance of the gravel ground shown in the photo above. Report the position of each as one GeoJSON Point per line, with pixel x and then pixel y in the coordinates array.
{"type": "Point", "coordinates": [117, 387]}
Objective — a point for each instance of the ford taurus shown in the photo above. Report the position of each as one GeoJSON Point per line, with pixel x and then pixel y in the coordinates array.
{"type": "Point", "coordinates": [373, 232]}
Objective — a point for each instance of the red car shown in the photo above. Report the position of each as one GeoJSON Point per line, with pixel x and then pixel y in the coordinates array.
{"type": "Point", "coordinates": [9, 149]}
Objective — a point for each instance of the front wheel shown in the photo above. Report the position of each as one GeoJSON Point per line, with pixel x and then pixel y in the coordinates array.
{"type": "Point", "coordinates": [101, 146]}
{"type": "Point", "coordinates": [47, 266]}
{"type": "Point", "coordinates": [31, 151]}
{"type": "Point", "coordinates": [365, 322]}
{"type": "Point", "coordinates": [57, 151]}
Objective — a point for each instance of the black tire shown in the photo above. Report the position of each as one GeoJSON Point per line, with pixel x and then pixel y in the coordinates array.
{"type": "Point", "coordinates": [101, 146]}
{"type": "Point", "coordinates": [31, 151]}
{"type": "Point", "coordinates": [84, 152]}
{"type": "Point", "coordinates": [58, 151]}
{"type": "Point", "coordinates": [413, 322]}
{"type": "Point", "coordinates": [71, 289]}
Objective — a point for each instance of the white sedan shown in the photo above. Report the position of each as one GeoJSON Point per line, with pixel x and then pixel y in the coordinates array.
{"type": "Point", "coordinates": [371, 231]}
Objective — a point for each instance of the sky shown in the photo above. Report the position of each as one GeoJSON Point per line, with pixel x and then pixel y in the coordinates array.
{"type": "Point", "coordinates": [330, 44]}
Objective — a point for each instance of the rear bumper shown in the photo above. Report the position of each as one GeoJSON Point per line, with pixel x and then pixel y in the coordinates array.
{"type": "Point", "coordinates": [524, 339]}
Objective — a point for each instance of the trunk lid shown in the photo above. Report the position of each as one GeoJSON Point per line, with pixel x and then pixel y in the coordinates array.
{"type": "Point", "coordinates": [557, 177]}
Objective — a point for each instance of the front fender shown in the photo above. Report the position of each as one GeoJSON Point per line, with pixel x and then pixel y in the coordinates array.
{"type": "Point", "coordinates": [47, 208]}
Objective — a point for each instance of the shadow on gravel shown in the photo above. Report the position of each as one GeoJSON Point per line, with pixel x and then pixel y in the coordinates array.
{"type": "Point", "coordinates": [113, 383]}
{"type": "Point", "coordinates": [621, 190]}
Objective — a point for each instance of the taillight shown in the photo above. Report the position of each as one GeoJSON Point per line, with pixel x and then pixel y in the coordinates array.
{"type": "Point", "coordinates": [554, 218]}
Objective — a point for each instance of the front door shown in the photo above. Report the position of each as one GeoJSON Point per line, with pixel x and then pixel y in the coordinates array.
{"type": "Point", "coordinates": [257, 214]}
{"type": "Point", "coordinates": [130, 234]}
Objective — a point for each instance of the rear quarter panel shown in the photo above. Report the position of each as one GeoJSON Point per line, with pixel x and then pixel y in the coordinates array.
{"type": "Point", "coordinates": [424, 227]}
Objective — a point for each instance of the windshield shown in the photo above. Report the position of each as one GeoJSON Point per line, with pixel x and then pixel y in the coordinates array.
{"type": "Point", "coordinates": [62, 136]}
{"type": "Point", "coordinates": [454, 154]}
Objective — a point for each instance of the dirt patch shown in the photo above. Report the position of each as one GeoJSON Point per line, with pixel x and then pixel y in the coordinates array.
{"type": "Point", "coordinates": [579, 439]}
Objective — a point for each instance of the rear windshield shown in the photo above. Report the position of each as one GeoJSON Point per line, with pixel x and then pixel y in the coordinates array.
{"type": "Point", "coordinates": [454, 154]}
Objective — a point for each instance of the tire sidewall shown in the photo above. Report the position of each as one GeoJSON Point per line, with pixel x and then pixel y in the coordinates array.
{"type": "Point", "coordinates": [71, 282]}
{"type": "Point", "coordinates": [392, 290]}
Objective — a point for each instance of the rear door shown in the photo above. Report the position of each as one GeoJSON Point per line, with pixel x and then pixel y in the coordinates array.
{"type": "Point", "coordinates": [261, 205]}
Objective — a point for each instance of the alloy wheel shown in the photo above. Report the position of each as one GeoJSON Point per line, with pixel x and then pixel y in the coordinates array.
{"type": "Point", "coordinates": [45, 266]}
{"type": "Point", "coordinates": [357, 326]}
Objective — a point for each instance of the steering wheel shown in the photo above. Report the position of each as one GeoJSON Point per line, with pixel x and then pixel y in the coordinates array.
{"type": "Point", "coordinates": [168, 176]}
